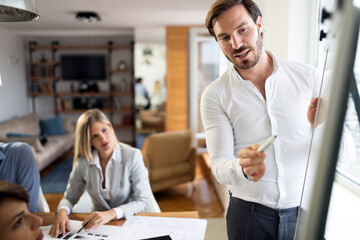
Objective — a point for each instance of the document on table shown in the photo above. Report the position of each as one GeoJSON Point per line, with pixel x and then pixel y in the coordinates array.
{"type": "Point", "coordinates": [139, 227]}
{"type": "Point", "coordinates": [105, 232]}
{"type": "Point", "coordinates": [143, 227]}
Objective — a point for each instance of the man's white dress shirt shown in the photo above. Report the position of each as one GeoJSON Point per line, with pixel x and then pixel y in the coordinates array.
{"type": "Point", "coordinates": [235, 115]}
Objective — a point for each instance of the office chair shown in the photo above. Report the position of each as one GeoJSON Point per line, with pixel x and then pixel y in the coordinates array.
{"type": "Point", "coordinates": [42, 205]}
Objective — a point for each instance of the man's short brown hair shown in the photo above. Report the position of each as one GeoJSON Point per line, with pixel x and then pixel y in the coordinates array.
{"type": "Point", "coordinates": [11, 190]}
{"type": "Point", "coordinates": [220, 6]}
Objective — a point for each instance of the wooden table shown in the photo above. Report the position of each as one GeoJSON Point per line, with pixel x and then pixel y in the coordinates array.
{"type": "Point", "coordinates": [48, 218]}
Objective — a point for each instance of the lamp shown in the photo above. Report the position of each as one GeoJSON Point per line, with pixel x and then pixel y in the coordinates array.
{"type": "Point", "coordinates": [87, 17]}
{"type": "Point", "coordinates": [18, 10]}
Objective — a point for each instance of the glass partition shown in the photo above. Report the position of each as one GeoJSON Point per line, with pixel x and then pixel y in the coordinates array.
{"type": "Point", "coordinates": [330, 205]}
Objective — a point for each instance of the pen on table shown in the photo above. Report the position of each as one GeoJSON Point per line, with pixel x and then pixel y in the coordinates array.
{"type": "Point", "coordinates": [82, 227]}
{"type": "Point", "coordinates": [267, 143]}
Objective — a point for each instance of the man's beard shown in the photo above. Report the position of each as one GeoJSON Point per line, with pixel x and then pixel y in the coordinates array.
{"type": "Point", "coordinates": [246, 63]}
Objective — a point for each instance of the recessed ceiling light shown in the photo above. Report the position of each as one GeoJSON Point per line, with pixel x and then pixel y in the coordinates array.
{"type": "Point", "coordinates": [87, 17]}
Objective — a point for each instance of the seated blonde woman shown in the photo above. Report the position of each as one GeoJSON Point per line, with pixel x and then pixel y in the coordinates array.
{"type": "Point", "coordinates": [113, 174]}
{"type": "Point", "coordinates": [16, 221]}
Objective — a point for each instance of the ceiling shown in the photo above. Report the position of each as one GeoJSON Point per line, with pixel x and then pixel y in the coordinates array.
{"type": "Point", "coordinates": [116, 15]}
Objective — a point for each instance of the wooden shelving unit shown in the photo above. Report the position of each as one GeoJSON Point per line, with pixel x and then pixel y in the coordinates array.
{"type": "Point", "coordinates": [43, 80]}
{"type": "Point", "coordinates": [114, 71]}
{"type": "Point", "coordinates": [92, 94]}
{"type": "Point", "coordinates": [73, 47]}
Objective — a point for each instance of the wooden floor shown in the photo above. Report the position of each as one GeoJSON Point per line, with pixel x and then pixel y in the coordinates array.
{"type": "Point", "coordinates": [196, 196]}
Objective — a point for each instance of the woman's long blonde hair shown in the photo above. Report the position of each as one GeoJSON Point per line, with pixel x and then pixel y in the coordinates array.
{"type": "Point", "coordinates": [82, 146]}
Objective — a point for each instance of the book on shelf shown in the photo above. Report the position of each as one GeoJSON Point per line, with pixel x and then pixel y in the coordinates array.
{"type": "Point", "coordinates": [34, 87]}
{"type": "Point", "coordinates": [41, 88]}
{"type": "Point", "coordinates": [49, 88]}
{"type": "Point", "coordinates": [42, 72]}
{"type": "Point", "coordinates": [117, 102]}
{"type": "Point", "coordinates": [67, 104]}
{"type": "Point", "coordinates": [59, 104]}
{"type": "Point", "coordinates": [34, 71]}
{"type": "Point", "coordinates": [49, 72]}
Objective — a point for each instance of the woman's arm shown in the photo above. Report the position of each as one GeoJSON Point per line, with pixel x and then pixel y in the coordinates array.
{"type": "Point", "coordinates": [76, 185]}
{"type": "Point", "coordinates": [74, 189]}
{"type": "Point", "coordinates": [140, 186]}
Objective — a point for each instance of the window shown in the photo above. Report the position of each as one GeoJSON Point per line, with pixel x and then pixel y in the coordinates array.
{"type": "Point", "coordinates": [342, 215]}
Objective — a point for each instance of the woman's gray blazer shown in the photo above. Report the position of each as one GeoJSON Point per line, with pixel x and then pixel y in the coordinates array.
{"type": "Point", "coordinates": [129, 187]}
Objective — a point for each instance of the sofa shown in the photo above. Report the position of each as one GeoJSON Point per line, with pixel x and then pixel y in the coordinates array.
{"type": "Point", "coordinates": [169, 158]}
{"type": "Point", "coordinates": [29, 129]}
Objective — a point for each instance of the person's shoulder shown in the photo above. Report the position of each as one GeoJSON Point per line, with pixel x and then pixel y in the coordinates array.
{"type": "Point", "coordinates": [82, 162]}
{"type": "Point", "coordinates": [19, 147]}
{"type": "Point", "coordinates": [130, 156]}
{"type": "Point", "coordinates": [19, 153]}
{"type": "Point", "coordinates": [296, 64]}
{"type": "Point", "coordinates": [127, 149]}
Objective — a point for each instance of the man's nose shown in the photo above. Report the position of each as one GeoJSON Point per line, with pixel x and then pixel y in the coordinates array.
{"type": "Point", "coordinates": [236, 41]}
{"type": "Point", "coordinates": [36, 221]}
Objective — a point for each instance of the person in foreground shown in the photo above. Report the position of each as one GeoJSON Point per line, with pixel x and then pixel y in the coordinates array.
{"type": "Point", "coordinates": [113, 173]}
{"type": "Point", "coordinates": [260, 96]}
{"type": "Point", "coordinates": [16, 221]}
{"type": "Point", "coordinates": [18, 165]}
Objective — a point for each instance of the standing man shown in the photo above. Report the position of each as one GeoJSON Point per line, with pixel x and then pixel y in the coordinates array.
{"type": "Point", "coordinates": [18, 165]}
{"type": "Point", "coordinates": [141, 95]}
{"type": "Point", "coordinates": [260, 96]}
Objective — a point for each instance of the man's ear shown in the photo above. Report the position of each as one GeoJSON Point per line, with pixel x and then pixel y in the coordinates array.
{"type": "Point", "coordinates": [259, 23]}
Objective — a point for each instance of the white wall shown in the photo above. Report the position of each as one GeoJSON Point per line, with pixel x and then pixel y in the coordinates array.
{"type": "Point", "coordinates": [13, 91]}
{"type": "Point", "coordinates": [302, 30]}
{"type": "Point", "coordinates": [150, 35]}
{"type": "Point", "coordinates": [289, 28]}
{"type": "Point", "coordinates": [275, 26]}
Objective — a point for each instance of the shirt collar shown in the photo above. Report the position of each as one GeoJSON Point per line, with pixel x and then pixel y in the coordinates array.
{"type": "Point", "coordinates": [114, 157]}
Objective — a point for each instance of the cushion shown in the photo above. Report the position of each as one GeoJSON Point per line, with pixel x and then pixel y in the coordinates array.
{"type": "Point", "coordinates": [16, 134]}
{"type": "Point", "coordinates": [52, 126]}
{"type": "Point", "coordinates": [32, 141]}
{"type": "Point", "coordinates": [68, 125]}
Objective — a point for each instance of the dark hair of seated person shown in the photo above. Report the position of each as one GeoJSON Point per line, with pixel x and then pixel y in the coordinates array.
{"type": "Point", "coordinates": [11, 190]}
{"type": "Point", "coordinates": [16, 221]}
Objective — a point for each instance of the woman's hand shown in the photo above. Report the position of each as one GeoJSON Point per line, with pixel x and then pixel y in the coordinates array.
{"type": "Point", "coordinates": [96, 219]}
{"type": "Point", "coordinates": [61, 222]}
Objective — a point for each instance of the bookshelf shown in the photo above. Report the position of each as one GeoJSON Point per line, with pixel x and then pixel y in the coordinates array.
{"type": "Point", "coordinates": [116, 100]}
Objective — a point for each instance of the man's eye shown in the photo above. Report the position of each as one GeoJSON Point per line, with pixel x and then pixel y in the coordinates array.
{"type": "Point", "coordinates": [18, 223]}
{"type": "Point", "coordinates": [224, 39]}
{"type": "Point", "coordinates": [243, 30]}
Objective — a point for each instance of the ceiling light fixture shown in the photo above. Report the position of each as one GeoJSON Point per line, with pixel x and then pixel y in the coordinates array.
{"type": "Point", "coordinates": [18, 10]}
{"type": "Point", "coordinates": [87, 17]}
